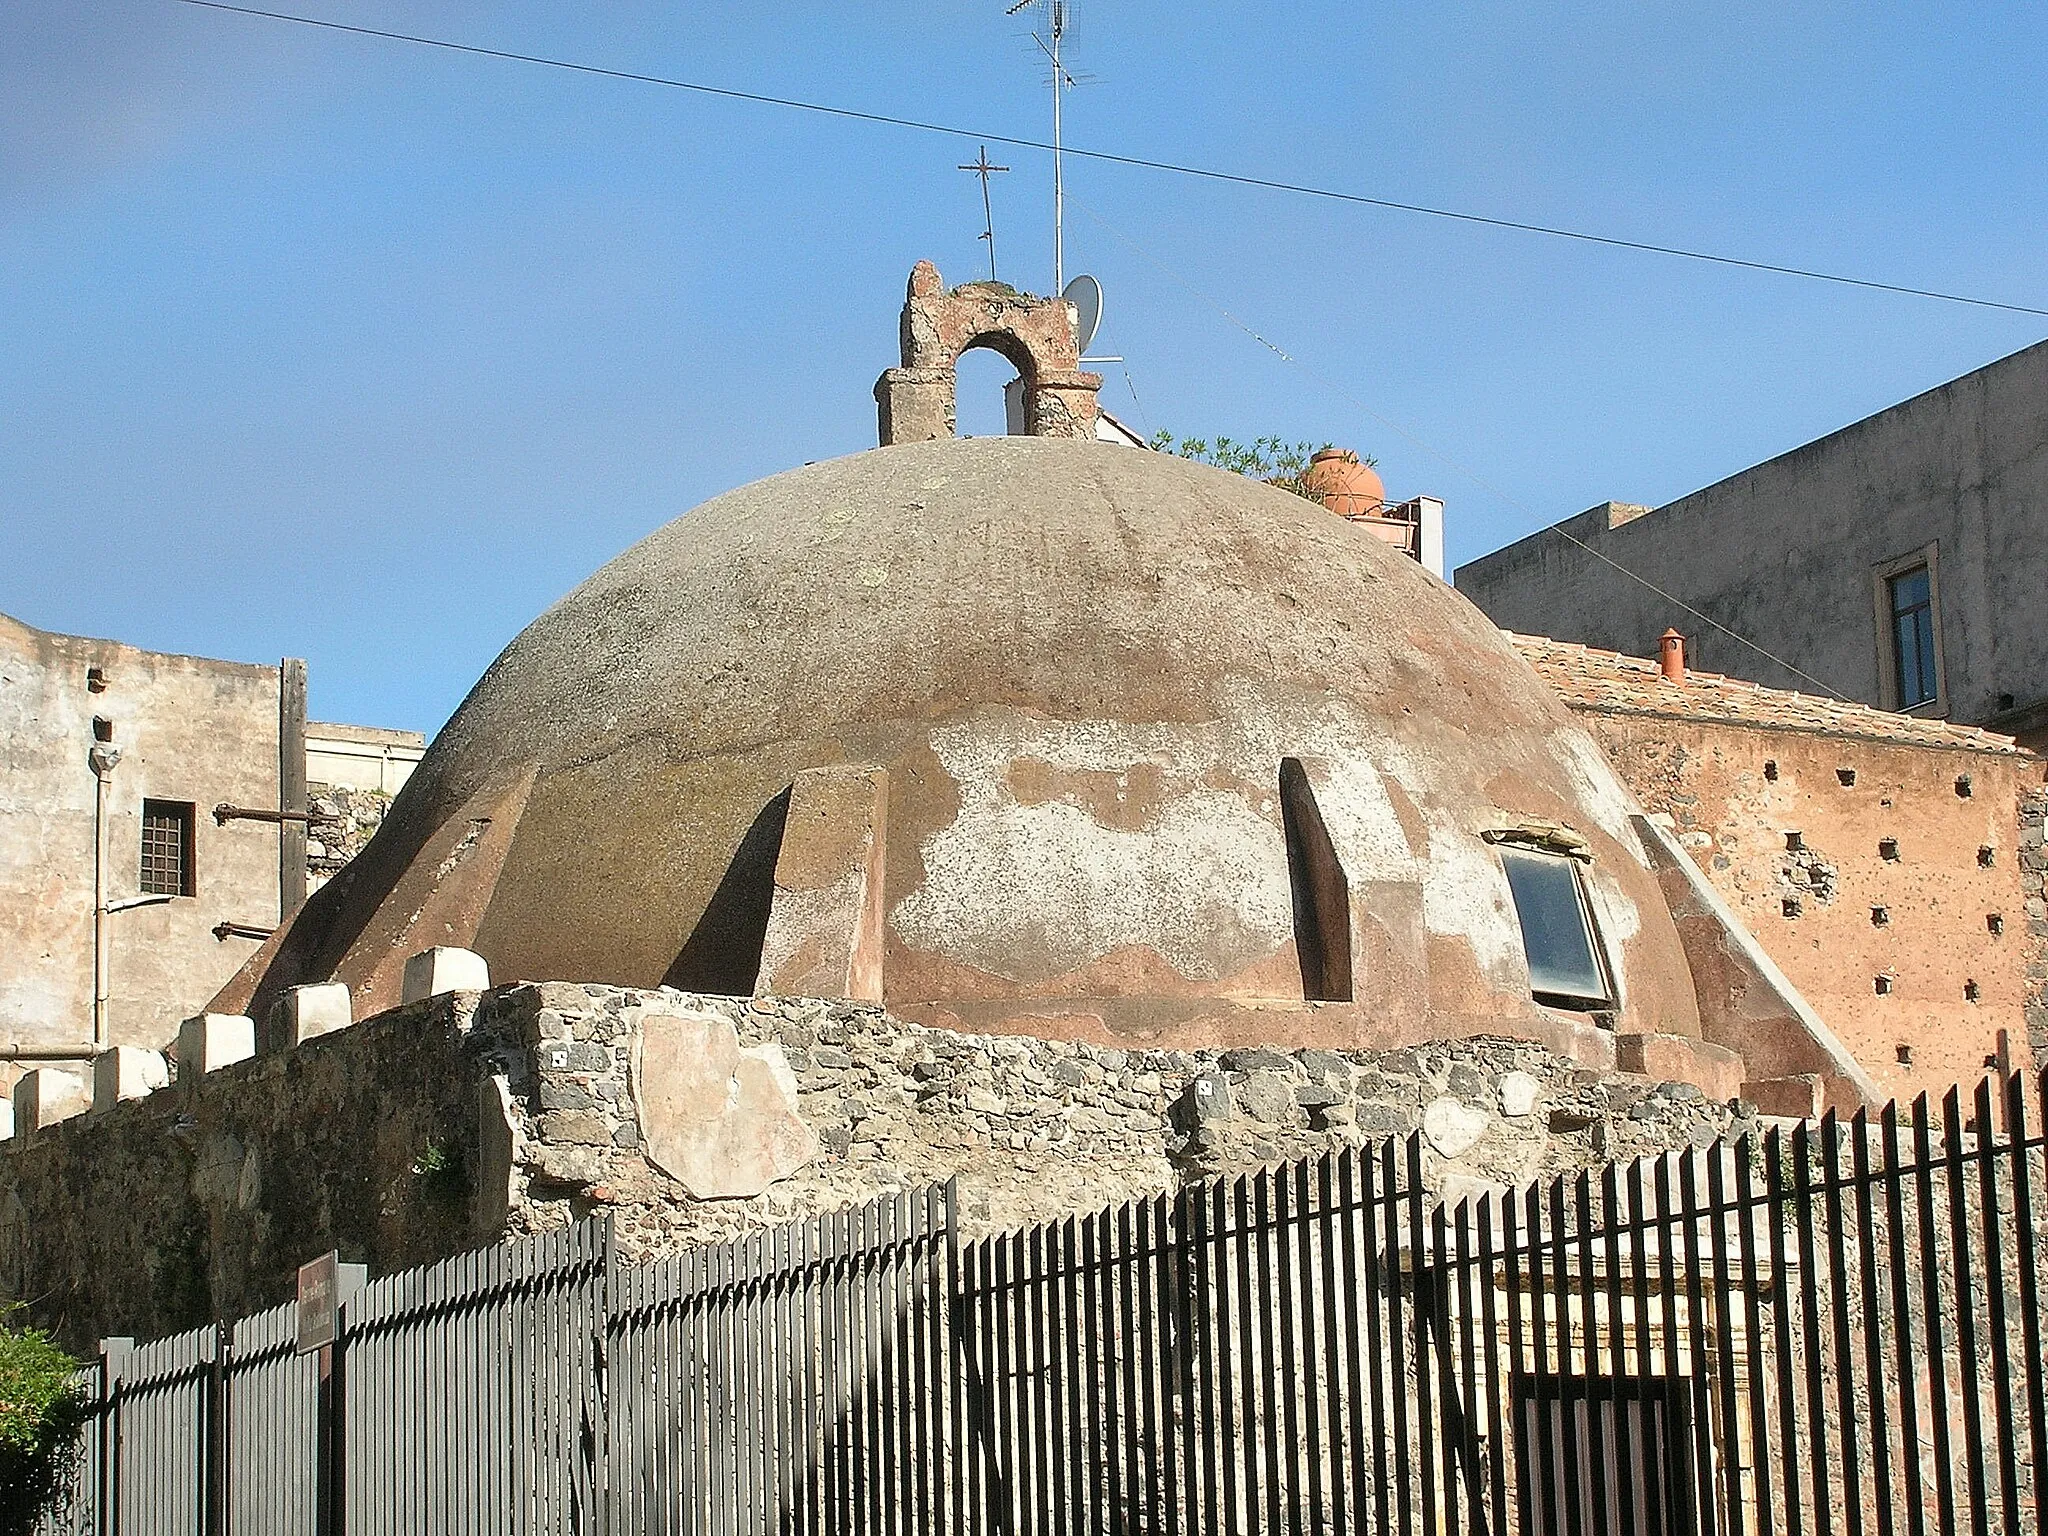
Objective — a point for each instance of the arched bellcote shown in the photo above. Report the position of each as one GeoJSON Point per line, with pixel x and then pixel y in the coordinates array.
{"type": "Point", "coordinates": [916, 401]}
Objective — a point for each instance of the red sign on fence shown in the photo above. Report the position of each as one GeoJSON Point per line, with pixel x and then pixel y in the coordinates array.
{"type": "Point", "coordinates": [319, 1302]}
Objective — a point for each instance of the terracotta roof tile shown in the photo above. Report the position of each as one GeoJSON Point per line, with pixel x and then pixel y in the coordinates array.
{"type": "Point", "coordinates": [1608, 682]}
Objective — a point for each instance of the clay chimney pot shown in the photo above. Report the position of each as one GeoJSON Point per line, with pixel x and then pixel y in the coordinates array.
{"type": "Point", "coordinates": [1671, 656]}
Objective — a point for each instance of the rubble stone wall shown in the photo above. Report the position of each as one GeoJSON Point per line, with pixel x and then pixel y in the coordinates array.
{"type": "Point", "coordinates": [440, 1125]}
{"type": "Point", "coordinates": [2033, 860]}
{"type": "Point", "coordinates": [343, 819]}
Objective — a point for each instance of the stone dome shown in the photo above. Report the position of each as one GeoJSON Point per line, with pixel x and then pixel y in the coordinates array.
{"type": "Point", "coordinates": [1012, 734]}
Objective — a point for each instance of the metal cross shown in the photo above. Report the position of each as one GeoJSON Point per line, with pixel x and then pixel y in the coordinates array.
{"type": "Point", "coordinates": [984, 170]}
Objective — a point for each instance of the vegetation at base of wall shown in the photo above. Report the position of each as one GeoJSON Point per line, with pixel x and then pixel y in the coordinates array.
{"type": "Point", "coordinates": [440, 1171]}
{"type": "Point", "coordinates": [997, 286]}
{"type": "Point", "coordinates": [41, 1409]}
{"type": "Point", "coordinates": [1270, 459]}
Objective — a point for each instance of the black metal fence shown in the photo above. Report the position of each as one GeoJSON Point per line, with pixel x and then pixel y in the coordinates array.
{"type": "Point", "coordinates": [1831, 1327]}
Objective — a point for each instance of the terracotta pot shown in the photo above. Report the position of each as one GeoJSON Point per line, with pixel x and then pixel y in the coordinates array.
{"type": "Point", "coordinates": [1347, 487]}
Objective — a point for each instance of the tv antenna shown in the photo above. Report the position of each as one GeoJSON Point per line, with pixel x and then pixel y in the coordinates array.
{"type": "Point", "coordinates": [1062, 82]}
{"type": "Point", "coordinates": [982, 168]}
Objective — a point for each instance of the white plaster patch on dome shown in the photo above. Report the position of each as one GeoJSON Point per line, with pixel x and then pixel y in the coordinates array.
{"type": "Point", "coordinates": [1612, 910]}
{"type": "Point", "coordinates": [991, 740]}
{"type": "Point", "coordinates": [1464, 889]}
{"type": "Point", "coordinates": [1466, 895]}
{"type": "Point", "coordinates": [1350, 787]}
{"type": "Point", "coordinates": [1203, 884]}
{"type": "Point", "coordinates": [1600, 790]}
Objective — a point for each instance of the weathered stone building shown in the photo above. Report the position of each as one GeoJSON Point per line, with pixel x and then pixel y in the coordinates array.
{"type": "Point", "coordinates": [1044, 736]}
{"type": "Point", "coordinates": [1063, 817]}
{"type": "Point", "coordinates": [1881, 860]}
{"type": "Point", "coordinates": [115, 758]}
{"type": "Point", "coordinates": [117, 878]}
{"type": "Point", "coordinates": [1899, 561]}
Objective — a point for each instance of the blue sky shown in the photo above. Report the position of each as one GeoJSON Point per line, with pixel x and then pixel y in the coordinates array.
{"type": "Point", "coordinates": [339, 348]}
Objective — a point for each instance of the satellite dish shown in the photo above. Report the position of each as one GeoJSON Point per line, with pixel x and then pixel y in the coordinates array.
{"type": "Point", "coordinates": [1085, 294]}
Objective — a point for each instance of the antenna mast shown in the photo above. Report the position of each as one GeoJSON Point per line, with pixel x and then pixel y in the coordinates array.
{"type": "Point", "coordinates": [1059, 89]}
{"type": "Point", "coordinates": [1062, 82]}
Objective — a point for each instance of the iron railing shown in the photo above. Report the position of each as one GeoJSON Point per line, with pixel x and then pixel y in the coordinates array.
{"type": "Point", "coordinates": [1834, 1326]}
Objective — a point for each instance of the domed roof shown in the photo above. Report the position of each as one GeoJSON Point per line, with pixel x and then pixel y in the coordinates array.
{"type": "Point", "coordinates": [994, 730]}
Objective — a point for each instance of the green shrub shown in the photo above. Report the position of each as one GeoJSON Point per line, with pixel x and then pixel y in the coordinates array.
{"type": "Point", "coordinates": [41, 1409]}
{"type": "Point", "coordinates": [1271, 459]}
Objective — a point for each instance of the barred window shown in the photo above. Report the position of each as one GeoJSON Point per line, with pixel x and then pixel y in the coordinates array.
{"type": "Point", "coordinates": [167, 848]}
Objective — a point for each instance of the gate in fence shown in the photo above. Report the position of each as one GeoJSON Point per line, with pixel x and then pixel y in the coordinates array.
{"type": "Point", "coordinates": [1831, 1327]}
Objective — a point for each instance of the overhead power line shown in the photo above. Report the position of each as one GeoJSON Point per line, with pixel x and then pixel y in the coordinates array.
{"type": "Point", "coordinates": [1445, 459]}
{"type": "Point", "coordinates": [1204, 173]}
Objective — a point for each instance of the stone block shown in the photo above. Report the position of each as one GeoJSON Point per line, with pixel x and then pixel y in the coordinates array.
{"type": "Point", "coordinates": [1266, 1097]}
{"type": "Point", "coordinates": [6, 1119]}
{"type": "Point", "coordinates": [914, 405]}
{"type": "Point", "coordinates": [1453, 1127]}
{"type": "Point", "coordinates": [214, 1040]}
{"type": "Point", "coordinates": [432, 972]}
{"type": "Point", "coordinates": [1793, 1098]}
{"type": "Point", "coordinates": [127, 1072]}
{"type": "Point", "coordinates": [824, 935]}
{"type": "Point", "coordinates": [1714, 1069]}
{"type": "Point", "coordinates": [1207, 1100]}
{"type": "Point", "coordinates": [497, 1153]}
{"type": "Point", "coordinates": [306, 1012]}
{"type": "Point", "coordinates": [1518, 1094]}
{"type": "Point", "coordinates": [45, 1096]}
{"type": "Point", "coordinates": [720, 1120]}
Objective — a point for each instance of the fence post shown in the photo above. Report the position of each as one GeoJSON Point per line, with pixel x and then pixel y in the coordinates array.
{"type": "Point", "coordinates": [214, 1427]}
{"type": "Point", "coordinates": [114, 1354]}
{"type": "Point", "coordinates": [599, 1327]}
{"type": "Point", "coordinates": [331, 1450]}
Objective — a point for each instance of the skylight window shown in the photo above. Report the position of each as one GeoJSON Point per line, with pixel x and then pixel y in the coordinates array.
{"type": "Point", "coordinates": [1558, 933]}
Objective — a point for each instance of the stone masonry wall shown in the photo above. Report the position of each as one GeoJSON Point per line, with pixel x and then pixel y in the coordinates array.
{"type": "Point", "coordinates": [202, 1199]}
{"type": "Point", "coordinates": [1036, 1129]}
{"type": "Point", "coordinates": [437, 1126]}
{"type": "Point", "coordinates": [1882, 878]}
{"type": "Point", "coordinates": [342, 821]}
{"type": "Point", "coordinates": [2034, 892]}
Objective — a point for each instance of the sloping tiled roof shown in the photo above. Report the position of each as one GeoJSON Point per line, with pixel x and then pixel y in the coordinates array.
{"type": "Point", "coordinates": [1609, 683]}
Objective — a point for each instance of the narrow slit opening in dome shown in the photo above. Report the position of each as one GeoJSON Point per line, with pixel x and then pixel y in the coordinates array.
{"type": "Point", "coordinates": [723, 953]}
{"type": "Point", "coordinates": [1321, 892]}
{"type": "Point", "coordinates": [1559, 936]}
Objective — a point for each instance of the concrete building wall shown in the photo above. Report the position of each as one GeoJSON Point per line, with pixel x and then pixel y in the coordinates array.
{"type": "Point", "coordinates": [189, 730]}
{"type": "Point", "coordinates": [361, 756]}
{"type": "Point", "coordinates": [1789, 554]}
{"type": "Point", "coordinates": [1737, 795]}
